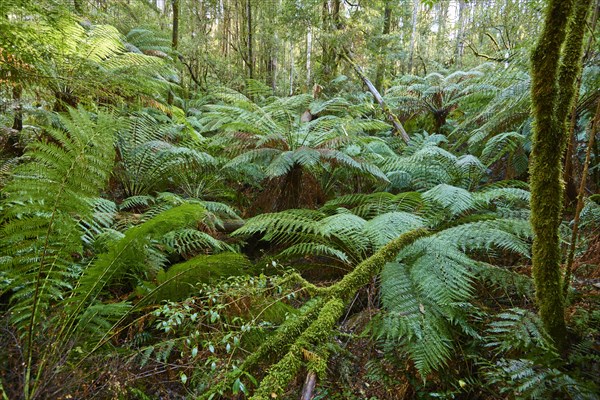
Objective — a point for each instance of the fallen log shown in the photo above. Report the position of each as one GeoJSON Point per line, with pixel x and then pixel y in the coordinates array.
{"type": "Point", "coordinates": [398, 128]}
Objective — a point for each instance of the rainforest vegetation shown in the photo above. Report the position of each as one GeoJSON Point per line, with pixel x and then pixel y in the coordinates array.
{"type": "Point", "coordinates": [299, 199]}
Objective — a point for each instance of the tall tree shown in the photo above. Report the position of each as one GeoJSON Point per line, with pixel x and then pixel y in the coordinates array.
{"type": "Point", "coordinates": [554, 63]}
{"type": "Point", "coordinates": [413, 36]}
{"type": "Point", "coordinates": [250, 40]}
{"type": "Point", "coordinates": [460, 32]}
{"type": "Point", "coordinates": [387, 18]}
{"type": "Point", "coordinates": [174, 40]}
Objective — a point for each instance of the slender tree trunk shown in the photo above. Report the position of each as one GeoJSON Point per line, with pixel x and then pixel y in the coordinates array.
{"type": "Point", "coordinates": [552, 93]}
{"type": "Point", "coordinates": [308, 55]}
{"type": "Point", "coordinates": [571, 66]}
{"type": "Point", "coordinates": [175, 32]}
{"type": "Point", "coordinates": [398, 128]}
{"type": "Point", "coordinates": [579, 207]}
{"type": "Point", "coordinates": [570, 188]}
{"type": "Point", "coordinates": [331, 22]}
{"type": "Point", "coordinates": [174, 40]}
{"type": "Point", "coordinates": [18, 118]}
{"type": "Point", "coordinates": [459, 33]}
{"type": "Point", "coordinates": [291, 68]}
{"type": "Point", "coordinates": [441, 33]}
{"type": "Point", "coordinates": [250, 42]}
{"type": "Point", "coordinates": [380, 74]}
{"type": "Point", "coordinates": [413, 36]}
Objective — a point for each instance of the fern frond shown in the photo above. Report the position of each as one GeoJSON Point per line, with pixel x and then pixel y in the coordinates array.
{"type": "Point", "coordinates": [454, 199]}
{"type": "Point", "coordinates": [124, 257]}
{"type": "Point", "coordinates": [518, 329]}
{"type": "Point", "coordinates": [44, 202]}
{"type": "Point", "coordinates": [188, 241]}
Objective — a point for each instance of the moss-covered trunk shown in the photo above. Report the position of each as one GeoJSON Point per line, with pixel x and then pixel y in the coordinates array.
{"type": "Point", "coordinates": [551, 66]}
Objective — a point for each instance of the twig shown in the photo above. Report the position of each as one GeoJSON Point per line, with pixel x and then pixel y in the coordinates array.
{"type": "Point", "coordinates": [574, 234]}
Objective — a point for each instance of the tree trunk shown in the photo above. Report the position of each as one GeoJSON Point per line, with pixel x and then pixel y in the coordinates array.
{"type": "Point", "coordinates": [331, 22]}
{"type": "Point", "coordinates": [291, 68]}
{"type": "Point", "coordinates": [249, 43]}
{"type": "Point", "coordinates": [18, 119]}
{"type": "Point", "coordinates": [569, 92]}
{"type": "Point", "coordinates": [441, 33]}
{"type": "Point", "coordinates": [174, 41]}
{"type": "Point", "coordinates": [380, 74]}
{"type": "Point", "coordinates": [579, 207]}
{"type": "Point", "coordinates": [548, 100]}
{"type": "Point", "coordinates": [413, 36]}
{"type": "Point", "coordinates": [308, 54]}
{"type": "Point", "coordinates": [398, 128]}
{"type": "Point", "coordinates": [459, 34]}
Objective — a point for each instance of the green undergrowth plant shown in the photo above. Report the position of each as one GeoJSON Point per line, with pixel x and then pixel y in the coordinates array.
{"type": "Point", "coordinates": [215, 328]}
{"type": "Point", "coordinates": [438, 96]}
{"type": "Point", "coordinates": [302, 341]}
{"type": "Point", "coordinates": [57, 281]}
{"type": "Point", "coordinates": [425, 163]}
{"type": "Point", "coordinates": [427, 291]}
{"type": "Point", "coordinates": [525, 363]}
{"type": "Point", "coordinates": [154, 154]}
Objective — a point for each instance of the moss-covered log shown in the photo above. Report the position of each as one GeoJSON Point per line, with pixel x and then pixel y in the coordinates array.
{"type": "Point", "coordinates": [314, 326]}
{"type": "Point", "coordinates": [287, 368]}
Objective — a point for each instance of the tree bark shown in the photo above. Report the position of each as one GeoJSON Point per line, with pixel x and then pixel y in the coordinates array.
{"type": "Point", "coordinates": [569, 93]}
{"type": "Point", "coordinates": [380, 74]}
{"type": "Point", "coordinates": [398, 128]}
{"type": "Point", "coordinates": [250, 42]}
{"type": "Point", "coordinates": [413, 36]}
{"type": "Point", "coordinates": [579, 207]}
{"type": "Point", "coordinates": [18, 118]}
{"type": "Point", "coordinates": [549, 139]}
{"type": "Point", "coordinates": [459, 34]}
{"type": "Point", "coordinates": [309, 385]}
{"type": "Point", "coordinates": [308, 55]}
{"type": "Point", "coordinates": [174, 41]}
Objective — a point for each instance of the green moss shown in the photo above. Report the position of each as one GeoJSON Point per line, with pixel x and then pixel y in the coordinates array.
{"type": "Point", "coordinates": [314, 326]}
{"type": "Point", "coordinates": [275, 344]}
{"type": "Point", "coordinates": [366, 270]}
{"type": "Point", "coordinates": [570, 67]}
{"type": "Point", "coordinates": [297, 279]}
{"type": "Point", "coordinates": [285, 370]}
{"type": "Point", "coordinates": [180, 280]}
{"type": "Point", "coordinates": [549, 140]}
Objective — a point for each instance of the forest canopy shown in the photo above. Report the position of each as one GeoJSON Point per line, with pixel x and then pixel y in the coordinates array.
{"type": "Point", "coordinates": [313, 199]}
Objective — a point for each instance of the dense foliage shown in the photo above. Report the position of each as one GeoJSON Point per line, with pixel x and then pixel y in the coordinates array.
{"type": "Point", "coordinates": [211, 199]}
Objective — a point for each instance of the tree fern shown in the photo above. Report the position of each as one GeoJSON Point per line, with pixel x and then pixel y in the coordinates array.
{"type": "Point", "coordinates": [437, 94]}
{"type": "Point", "coordinates": [45, 199]}
{"type": "Point", "coordinates": [124, 257]}
{"type": "Point", "coordinates": [283, 147]}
